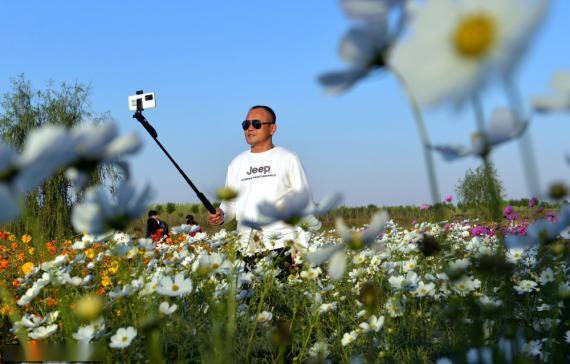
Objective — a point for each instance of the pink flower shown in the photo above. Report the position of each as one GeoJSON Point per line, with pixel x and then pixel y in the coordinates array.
{"type": "Point", "coordinates": [424, 207]}
{"type": "Point", "coordinates": [449, 198]}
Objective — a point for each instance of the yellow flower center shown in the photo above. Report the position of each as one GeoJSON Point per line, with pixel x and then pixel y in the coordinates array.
{"type": "Point", "coordinates": [175, 287]}
{"type": "Point", "coordinates": [125, 339]}
{"type": "Point", "coordinates": [475, 35]}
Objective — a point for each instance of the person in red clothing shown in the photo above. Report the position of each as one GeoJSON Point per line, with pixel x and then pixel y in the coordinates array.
{"type": "Point", "coordinates": [190, 221]}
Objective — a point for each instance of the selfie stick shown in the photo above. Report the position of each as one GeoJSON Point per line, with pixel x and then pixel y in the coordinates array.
{"type": "Point", "coordinates": [140, 117]}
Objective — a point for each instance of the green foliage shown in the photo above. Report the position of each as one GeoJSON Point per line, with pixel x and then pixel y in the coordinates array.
{"type": "Point", "coordinates": [170, 207]}
{"type": "Point", "coordinates": [473, 190]}
{"type": "Point", "coordinates": [159, 209]}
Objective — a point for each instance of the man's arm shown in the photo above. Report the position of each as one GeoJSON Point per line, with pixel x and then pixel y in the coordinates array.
{"type": "Point", "coordinates": [226, 212]}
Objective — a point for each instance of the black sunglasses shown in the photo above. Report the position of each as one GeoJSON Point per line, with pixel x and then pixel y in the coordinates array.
{"type": "Point", "coordinates": [256, 123]}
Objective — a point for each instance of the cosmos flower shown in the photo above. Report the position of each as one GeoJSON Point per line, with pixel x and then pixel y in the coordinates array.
{"type": "Point", "coordinates": [292, 209]}
{"type": "Point", "coordinates": [374, 324]}
{"type": "Point", "coordinates": [541, 231]}
{"type": "Point", "coordinates": [43, 332]}
{"type": "Point", "coordinates": [167, 309]}
{"type": "Point", "coordinates": [475, 41]}
{"type": "Point", "coordinates": [180, 286]}
{"type": "Point", "coordinates": [98, 214]}
{"type": "Point", "coordinates": [355, 240]}
{"type": "Point", "coordinates": [502, 128]}
{"type": "Point", "coordinates": [560, 101]}
{"type": "Point", "coordinates": [264, 317]}
{"type": "Point", "coordinates": [349, 337]}
{"type": "Point", "coordinates": [123, 337]}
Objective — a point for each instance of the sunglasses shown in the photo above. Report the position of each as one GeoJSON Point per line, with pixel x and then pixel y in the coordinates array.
{"type": "Point", "coordinates": [256, 123]}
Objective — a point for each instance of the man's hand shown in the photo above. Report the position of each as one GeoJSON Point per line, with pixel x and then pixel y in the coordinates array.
{"type": "Point", "coordinates": [217, 218]}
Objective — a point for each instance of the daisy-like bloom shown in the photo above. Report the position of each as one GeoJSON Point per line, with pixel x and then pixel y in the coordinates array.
{"type": "Point", "coordinates": [502, 128]}
{"type": "Point", "coordinates": [541, 231]}
{"type": "Point", "coordinates": [547, 276]}
{"type": "Point", "coordinates": [525, 286]}
{"type": "Point", "coordinates": [123, 337]}
{"type": "Point", "coordinates": [215, 262]}
{"type": "Point", "coordinates": [95, 144]}
{"type": "Point", "coordinates": [514, 255]}
{"type": "Point", "coordinates": [311, 273]}
{"type": "Point", "coordinates": [294, 208]}
{"type": "Point", "coordinates": [98, 214]}
{"type": "Point", "coordinates": [327, 307]}
{"type": "Point", "coordinates": [319, 350]}
{"type": "Point", "coordinates": [167, 309]}
{"type": "Point", "coordinates": [185, 229]}
{"type": "Point", "coordinates": [407, 282]}
{"type": "Point", "coordinates": [84, 333]}
{"type": "Point", "coordinates": [264, 317]}
{"type": "Point", "coordinates": [349, 337]}
{"type": "Point", "coordinates": [464, 285]}
{"type": "Point", "coordinates": [489, 303]}
{"type": "Point", "coordinates": [43, 332]}
{"type": "Point", "coordinates": [560, 101]}
{"type": "Point", "coordinates": [178, 287]}
{"type": "Point", "coordinates": [374, 324]}
{"type": "Point", "coordinates": [423, 289]}
{"type": "Point", "coordinates": [355, 240]}
{"type": "Point", "coordinates": [472, 40]}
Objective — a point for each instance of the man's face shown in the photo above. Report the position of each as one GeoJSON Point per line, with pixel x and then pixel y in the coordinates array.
{"type": "Point", "coordinates": [255, 136]}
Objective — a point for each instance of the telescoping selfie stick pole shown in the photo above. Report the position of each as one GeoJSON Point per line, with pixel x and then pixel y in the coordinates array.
{"type": "Point", "coordinates": [140, 117]}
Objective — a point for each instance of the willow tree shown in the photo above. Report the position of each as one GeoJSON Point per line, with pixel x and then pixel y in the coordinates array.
{"type": "Point", "coordinates": [48, 207]}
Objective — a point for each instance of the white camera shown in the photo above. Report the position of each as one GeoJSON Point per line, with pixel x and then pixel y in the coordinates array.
{"type": "Point", "coordinates": [142, 101]}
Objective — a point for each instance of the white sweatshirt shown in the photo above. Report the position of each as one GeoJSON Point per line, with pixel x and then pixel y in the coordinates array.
{"type": "Point", "coordinates": [265, 176]}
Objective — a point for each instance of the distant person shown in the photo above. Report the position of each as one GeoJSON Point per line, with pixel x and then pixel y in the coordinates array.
{"type": "Point", "coordinates": [155, 228]}
{"type": "Point", "coordinates": [264, 172]}
{"type": "Point", "coordinates": [190, 221]}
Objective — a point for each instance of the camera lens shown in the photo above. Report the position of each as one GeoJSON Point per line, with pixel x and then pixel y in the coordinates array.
{"type": "Point", "coordinates": [148, 97]}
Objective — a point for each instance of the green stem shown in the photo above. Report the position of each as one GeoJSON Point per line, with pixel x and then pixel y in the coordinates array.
{"type": "Point", "coordinates": [494, 206]}
{"type": "Point", "coordinates": [525, 142]}
{"type": "Point", "coordinates": [424, 138]}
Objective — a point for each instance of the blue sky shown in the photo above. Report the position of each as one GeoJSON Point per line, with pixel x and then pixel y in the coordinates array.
{"type": "Point", "coordinates": [208, 61]}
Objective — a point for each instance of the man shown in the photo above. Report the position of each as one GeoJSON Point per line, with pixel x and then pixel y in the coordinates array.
{"type": "Point", "coordinates": [265, 172]}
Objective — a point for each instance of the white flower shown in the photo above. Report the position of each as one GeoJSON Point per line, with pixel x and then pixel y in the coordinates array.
{"type": "Point", "coordinates": [465, 284]}
{"type": "Point", "coordinates": [179, 287]}
{"type": "Point", "coordinates": [425, 289]}
{"type": "Point", "coordinates": [374, 324]}
{"type": "Point", "coordinates": [352, 239]}
{"type": "Point", "coordinates": [264, 317]}
{"type": "Point", "coordinates": [349, 337]}
{"type": "Point", "coordinates": [364, 49]}
{"type": "Point", "coordinates": [319, 350]}
{"type": "Point", "coordinates": [515, 254]}
{"type": "Point", "coordinates": [502, 128]}
{"type": "Point", "coordinates": [98, 214]}
{"type": "Point", "coordinates": [567, 337]}
{"type": "Point", "coordinates": [327, 307]}
{"type": "Point", "coordinates": [123, 337]}
{"type": "Point", "coordinates": [560, 101]}
{"type": "Point", "coordinates": [546, 276]}
{"type": "Point", "coordinates": [165, 309]}
{"type": "Point", "coordinates": [472, 40]}
{"type": "Point", "coordinates": [292, 208]}
{"type": "Point", "coordinates": [487, 302]}
{"type": "Point", "coordinates": [185, 229]}
{"type": "Point", "coordinates": [95, 144]}
{"type": "Point", "coordinates": [43, 332]}
{"type": "Point", "coordinates": [525, 286]}
{"type": "Point", "coordinates": [311, 273]}
{"type": "Point", "coordinates": [84, 333]}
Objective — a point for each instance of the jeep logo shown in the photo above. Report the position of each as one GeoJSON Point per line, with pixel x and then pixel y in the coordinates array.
{"type": "Point", "coordinates": [260, 169]}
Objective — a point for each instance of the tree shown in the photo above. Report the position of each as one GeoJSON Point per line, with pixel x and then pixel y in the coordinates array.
{"type": "Point", "coordinates": [48, 207]}
{"type": "Point", "coordinates": [472, 190]}
{"type": "Point", "coordinates": [170, 207]}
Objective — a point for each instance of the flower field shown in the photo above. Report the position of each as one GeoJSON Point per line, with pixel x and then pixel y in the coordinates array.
{"type": "Point", "coordinates": [433, 291]}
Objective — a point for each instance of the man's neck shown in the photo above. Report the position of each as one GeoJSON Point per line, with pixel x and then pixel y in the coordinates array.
{"type": "Point", "coordinates": [260, 148]}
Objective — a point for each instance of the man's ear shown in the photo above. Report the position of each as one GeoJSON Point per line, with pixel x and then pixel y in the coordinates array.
{"type": "Point", "coordinates": [273, 129]}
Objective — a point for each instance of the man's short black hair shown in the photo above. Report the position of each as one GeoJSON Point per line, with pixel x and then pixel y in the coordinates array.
{"type": "Point", "coordinates": [152, 213]}
{"type": "Point", "coordinates": [266, 108]}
